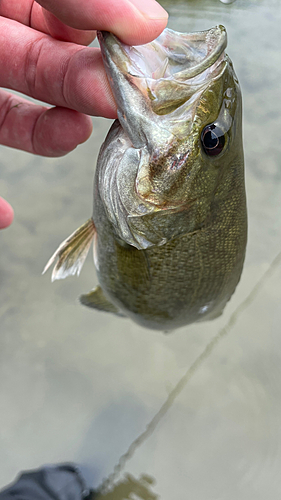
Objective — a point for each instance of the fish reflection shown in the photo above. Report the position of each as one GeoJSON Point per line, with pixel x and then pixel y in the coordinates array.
{"type": "Point", "coordinates": [169, 221]}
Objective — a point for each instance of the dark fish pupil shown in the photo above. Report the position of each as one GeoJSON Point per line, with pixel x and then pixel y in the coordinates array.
{"type": "Point", "coordinates": [213, 140]}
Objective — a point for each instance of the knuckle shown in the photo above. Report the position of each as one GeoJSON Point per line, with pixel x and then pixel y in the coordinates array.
{"type": "Point", "coordinates": [6, 106]}
{"type": "Point", "coordinates": [31, 65]}
{"type": "Point", "coordinates": [47, 71]}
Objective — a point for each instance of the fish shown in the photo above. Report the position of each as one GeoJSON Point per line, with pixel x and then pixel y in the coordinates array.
{"type": "Point", "coordinates": [169, 221]}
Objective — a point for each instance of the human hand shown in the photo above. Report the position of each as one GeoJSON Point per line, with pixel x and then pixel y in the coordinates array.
{"type": "Point", "coordinates": [43, 54]}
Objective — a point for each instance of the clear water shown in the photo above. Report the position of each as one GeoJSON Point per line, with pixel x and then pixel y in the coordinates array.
{"type": "Point", "coordinates": [78, 385]}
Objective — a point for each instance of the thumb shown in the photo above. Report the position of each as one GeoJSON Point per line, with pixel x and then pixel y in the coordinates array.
{"type": "Point", "coordinates": [6, 214]}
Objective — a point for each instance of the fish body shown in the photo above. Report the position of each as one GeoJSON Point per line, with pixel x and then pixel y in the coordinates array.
{"type": "Point", "coordinates": [169, 217]}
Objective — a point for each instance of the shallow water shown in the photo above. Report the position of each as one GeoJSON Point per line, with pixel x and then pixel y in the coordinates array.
{"type": "Point", "coordinates": [199, 418]}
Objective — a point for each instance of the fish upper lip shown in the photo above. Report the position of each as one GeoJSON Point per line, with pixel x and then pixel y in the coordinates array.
{"type": "Point", "coordinates": [173, 54]}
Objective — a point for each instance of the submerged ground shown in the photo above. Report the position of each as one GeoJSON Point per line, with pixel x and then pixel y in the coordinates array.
{"type": "Point", "coordinates": [78, 385]}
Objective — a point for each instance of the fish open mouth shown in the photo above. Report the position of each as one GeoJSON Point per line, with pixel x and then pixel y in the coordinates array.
{"type": "Point", "coordinates": [185, 55]}
{"type": "Point", "coordinates": [174, 61]}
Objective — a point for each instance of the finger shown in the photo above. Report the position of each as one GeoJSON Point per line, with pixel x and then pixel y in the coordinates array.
{"type": "Point", "coordinates": [38, 130]}
{"type": "Point", "coordinates": [133, 21]}
{"type": "Point", "coordinates": [31, 14]}
{"type": "Point", "coordinates": [6, 214]}
{"type": "Point", "coordinates": [59, 73]}
{"type": "Point", "coordinates": [57, 29]}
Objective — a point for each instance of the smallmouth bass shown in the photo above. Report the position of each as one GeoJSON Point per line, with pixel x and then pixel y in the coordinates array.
{"type": "Point", "coordinates": [169, 219]}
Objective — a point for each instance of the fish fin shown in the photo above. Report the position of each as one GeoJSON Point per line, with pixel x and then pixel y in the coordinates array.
{"type": "Point", "coordinates": [72, 252]}
{"type": "Point", "coordinates": [97, 300]}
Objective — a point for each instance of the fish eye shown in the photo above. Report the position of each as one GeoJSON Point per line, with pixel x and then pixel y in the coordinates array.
{"type": "Point", "coordinates": [213, 140]}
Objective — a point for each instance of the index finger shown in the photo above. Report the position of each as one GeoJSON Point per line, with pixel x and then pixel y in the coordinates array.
{"type": "Point", "coordinates": [133, 21]}
{"type": "Point", "coordinates": [31, 14]}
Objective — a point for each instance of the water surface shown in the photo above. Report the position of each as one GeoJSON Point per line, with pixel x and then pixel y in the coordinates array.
{"type": "Point", "coordinates": [79, 385]}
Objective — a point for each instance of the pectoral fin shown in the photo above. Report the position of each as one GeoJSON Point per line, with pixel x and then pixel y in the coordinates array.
{"type": "Point", "coordinates": [72, 252]}
{"type": "Point", "coordinates": [97, 300]}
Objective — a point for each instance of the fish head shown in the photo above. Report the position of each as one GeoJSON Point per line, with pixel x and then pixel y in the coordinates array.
{"type": "Point", "coordinates": [179, 105]}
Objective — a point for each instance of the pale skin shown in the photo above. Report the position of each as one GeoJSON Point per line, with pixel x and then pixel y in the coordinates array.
{"type": "Point", "coordinates": [44, 54]}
